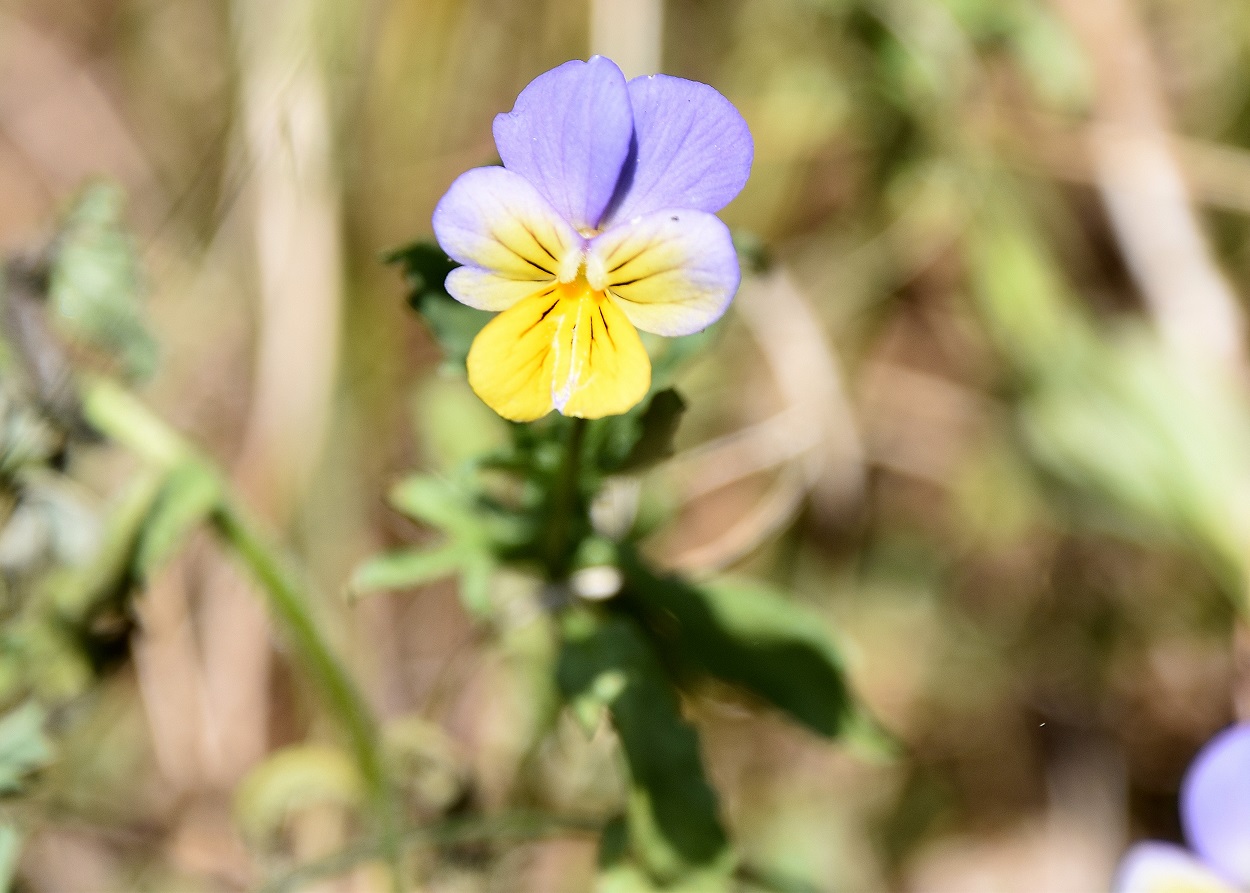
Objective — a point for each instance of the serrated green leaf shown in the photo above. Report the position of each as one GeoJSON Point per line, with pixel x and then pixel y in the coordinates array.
{"type": "Point", "coordinates": [187, 497]}
{"type": "Point", "coordinates": [23, 745]}
{"type": "Point", "coordinates": [407, 568]}
{"type": "Point", "coordinates": [454, 325]}
{"type": "Point", "coordinates": [95, 284]}
{"type": "Point", "coordinates": [672, 814]}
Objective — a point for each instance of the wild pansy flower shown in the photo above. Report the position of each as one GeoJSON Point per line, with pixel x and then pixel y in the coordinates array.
{"type": "Point", "coordinates": [1215, 816]}
{"type": "Point", "coordinates": [599, 223]}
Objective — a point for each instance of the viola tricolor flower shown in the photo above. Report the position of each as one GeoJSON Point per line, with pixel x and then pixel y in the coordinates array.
{"type": "Point", "coordinates": [1215, 816]}
{"type": "Point", "coordinates": [599, 223]}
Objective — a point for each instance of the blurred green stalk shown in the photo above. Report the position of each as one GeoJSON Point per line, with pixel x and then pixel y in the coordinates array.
{"type": "Point", "coordinates": [564, 505]}
{"type": "Point", "coordinates": [117, 414]}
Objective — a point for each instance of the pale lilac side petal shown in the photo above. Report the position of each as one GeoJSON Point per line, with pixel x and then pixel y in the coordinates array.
{"type": "Point", "coordinates": [1164, 868]}
{"type": "Point", "coordinates": [1215, 804]}
{"type": "Point", "coordinates": [672, 273]}
{"type": "Point", "coordinates": [693, 149]}
{"type": "Point", "coordinates": [496, 224]}
{"type": "Point", "coordinates": [569, 134]}
{"type": "Point", "coordinates": [487, 290]}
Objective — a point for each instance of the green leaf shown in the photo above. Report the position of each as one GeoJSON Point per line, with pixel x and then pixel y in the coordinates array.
{"type": "Point", "coordinates": [1132, 439]}
{"type": "Point", "coordinates": [426, 761]}
{"type": "Point", "coordinates": [53, 520]}
{"type": "Point", "coordinates": [643, 436]}
{"type": "Point", "coordinates": [1153, 440]}
{"type": "Point", "coordinates": [454, 325]}
{"type": "Point", "coordinates": [475, 585]}
{"type": "Point", "coordinates": [26, 438]}
{"type": "Point", "coordinates": [23, 745]}
{"type": "Point", "coordinates": [1026, 304]}
{"type": "Point", "coordinates": [454, 427]}
{"type": "Point", "coordinates": [407, 568]}
{"type": "Point", "coordinates": [291, 780]}
{"type": "Point", "coordinates": [77, 592]}
{"type": "Point", "coordinates": [436, 502]}
{"type": "Point", "coordinates": [95, 284]}
{"type": "Point", "coordinates": [669, 355]}
{"type": "Point", "coordinates": [747, 635]}
{"type": "Point", "coordinates": [10, 850]}
{"type": "Point", "coordinates": [672, 812]}
{"type": "Point", "coordinates": [753, 253]}
{"type": "Point", "coordinates": [190, 493]}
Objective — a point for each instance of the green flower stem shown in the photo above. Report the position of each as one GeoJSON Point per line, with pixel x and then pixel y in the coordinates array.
{"type": "Point", "coordinates": [565, 503]}
{"type": "Point", "coordinates": [117, 414]}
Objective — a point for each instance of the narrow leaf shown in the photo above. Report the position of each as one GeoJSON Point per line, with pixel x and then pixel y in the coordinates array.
{"type": "Point", "coordinates": [10, 850]}
{"type": "Point", "coordinates": [436, 502]}
{"type": "Point", "coordinates": [23, 745]}
{"type": "Point", "coordinates": [406, 569]}
{"type": "Point", "coordinates": [672, 813]}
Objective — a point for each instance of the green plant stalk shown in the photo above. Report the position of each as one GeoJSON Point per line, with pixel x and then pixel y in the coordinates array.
{"type": "Point", "coordinates": [565, 502]}
{"type": "Point", "coordinates": [287, 601]}
{"type": "Point", "coordinates": [117, 414]}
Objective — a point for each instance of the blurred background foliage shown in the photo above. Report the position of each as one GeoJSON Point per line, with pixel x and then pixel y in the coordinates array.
{"type": "Point", "coordinates": [979, 413]}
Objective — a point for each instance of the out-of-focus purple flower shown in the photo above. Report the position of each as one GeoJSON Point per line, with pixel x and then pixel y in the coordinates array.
{"type": "Point", "coordinates": [599, 223]}
{"type": "Point", "coordinates": [1215, 816]}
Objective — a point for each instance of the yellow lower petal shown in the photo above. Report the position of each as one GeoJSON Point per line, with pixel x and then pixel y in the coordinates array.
{"type": "Point", "coordinates": [568, 348]}
{"type": "Point", "coordinates": [613, 371]}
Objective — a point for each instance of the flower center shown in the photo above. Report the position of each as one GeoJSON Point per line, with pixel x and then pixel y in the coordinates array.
{"type": "Point", "coordinates": [580, 289]}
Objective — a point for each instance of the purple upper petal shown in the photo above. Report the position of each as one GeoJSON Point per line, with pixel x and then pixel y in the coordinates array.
{"type": "Point", "coordinates": [1215, 804]}
{"type": "Point", "coordinates": [569, 134]}
{"type": "Point", "coordinates": [693, 149]}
